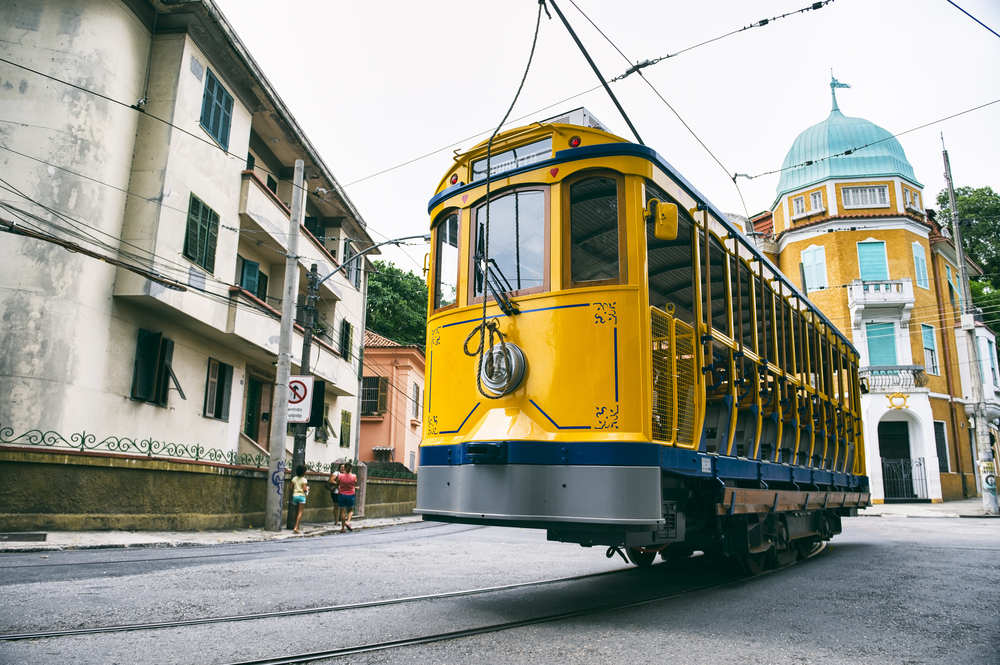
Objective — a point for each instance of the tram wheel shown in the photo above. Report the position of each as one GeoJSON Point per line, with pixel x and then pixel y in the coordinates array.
{"type": "Point", "coordinates": [753, 564]}
{"type": "Point", "coordinates": [640, 558]}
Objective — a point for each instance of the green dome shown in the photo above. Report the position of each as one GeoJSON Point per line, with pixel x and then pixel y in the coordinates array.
{"type": "Point", "coordinates": [882, 157]}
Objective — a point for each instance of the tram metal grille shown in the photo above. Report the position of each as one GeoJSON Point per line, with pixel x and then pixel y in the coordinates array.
{"type": "Point", "coordinates": [675, 401]}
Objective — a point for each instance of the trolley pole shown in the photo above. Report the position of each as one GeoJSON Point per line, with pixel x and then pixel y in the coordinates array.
{"type": "Point", "coordinates": [279, 410]}
{"type": "Point", "coordinates": [299, 447]}
{"type": "Point", "coordinates": [972, 341]}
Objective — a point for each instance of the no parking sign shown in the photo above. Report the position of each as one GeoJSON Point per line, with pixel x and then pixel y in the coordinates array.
{"type": "Point", "coordinates": [300, 390]}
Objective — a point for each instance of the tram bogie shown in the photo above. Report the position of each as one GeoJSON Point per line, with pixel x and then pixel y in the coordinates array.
{"type": "Point", "coordinates": [640, 377]}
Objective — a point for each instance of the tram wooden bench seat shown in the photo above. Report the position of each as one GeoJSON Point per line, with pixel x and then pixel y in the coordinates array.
{"type": "Point", "coordinates": [717, 418]}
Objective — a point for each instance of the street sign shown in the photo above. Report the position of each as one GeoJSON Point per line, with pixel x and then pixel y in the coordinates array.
{"type": "Point", "coordinates": [300, 390]}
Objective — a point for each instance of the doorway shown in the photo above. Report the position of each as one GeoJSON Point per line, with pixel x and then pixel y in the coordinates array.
{"type": "Point", "coordinates": [903, 478]}
{"type": "Point", "coordinates": [257, 412]}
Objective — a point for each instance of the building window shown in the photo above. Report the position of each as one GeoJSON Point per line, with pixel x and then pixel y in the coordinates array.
{"type": "Point", "coordinates": [816, 201]}
{"type": "Point", "coordinates": [866, 197]}
{"type": "Point", "coordinates": [518, 247]}
{"type": "Point", "coordinates": [814, 264]}
{"type": "Point", "coordinates": [799, 206]}
{"type": "Point", "coordinates": [216, 110]}
{"type": "Point", "coordinates": [252, 279]}
{"type": "Point", "coordinates": [872, 262]}
{"type": "Point", "coordinates": [345, 429]}
{"type": "Point", "coordinates": [250, 162]}
{"type": "Point", "coordinates": [593, 221]}
{"type": "Point", "coordinates": [202, 234]}
{"type": "Point", "coordinates": [374, 395]}
{"type": "Point", "coordinates": [153, 372]}
{"type": "Point", "coordinates": [954, 293]}
{"type": "Point", "coordinates": [346, 339]}
{"type": "Point", "coordinates": [416, 402]}
{"type": "Point", "coordinates": [920, 265]}
{"type": "Point", "coordinates": [881, 344]}
{"type": "Point", "coordinates": [941, 440]}
{"type": "Point", "coordinates": [930, 349]}
{"type": "Point", "coordinates": [272, 184]}
{"type": "Point", "coordinates": [413, 460]}
{"type": "Point", "coordinates": [352, 269]}
{"type": "Point", "coordinates": [991, 347]}
{"type": "Point", "coordinates": [446, 262]}
{"type": "Point", "coordinates": [218, 389]}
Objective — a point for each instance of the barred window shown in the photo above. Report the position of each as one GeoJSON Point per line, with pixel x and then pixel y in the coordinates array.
{"type": "Point", "coordinates": [374, 395]}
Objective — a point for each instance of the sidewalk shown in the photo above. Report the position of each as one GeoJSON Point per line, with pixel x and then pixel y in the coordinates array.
{"type": "Point", "coordinates": [964, 508]}
{"type": "Point", "coordinates": [79, 540]}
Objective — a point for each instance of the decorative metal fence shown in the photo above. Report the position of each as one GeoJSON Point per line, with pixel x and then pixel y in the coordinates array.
{"type": "Point", "coordinates": [904, 478]}
{"type": "Point", "coordinates": [149, 448]}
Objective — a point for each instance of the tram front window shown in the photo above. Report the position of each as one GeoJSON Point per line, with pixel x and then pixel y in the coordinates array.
{"type": "Point", "coordinates": [446, 262]}
{"type": "Point", "coordinates": [517, 241]}
{"type": "Point", "coordinates": [594, 230]}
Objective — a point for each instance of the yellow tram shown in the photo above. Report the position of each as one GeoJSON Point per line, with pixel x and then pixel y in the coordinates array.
{"type": "Point", "coordinates": [647, 379]}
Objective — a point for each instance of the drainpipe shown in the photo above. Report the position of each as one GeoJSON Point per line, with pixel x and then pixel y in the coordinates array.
{"type": "Point", "coordinates": [951, 381]}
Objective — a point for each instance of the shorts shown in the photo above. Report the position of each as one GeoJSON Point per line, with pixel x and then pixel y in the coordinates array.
{"type": "Point", "coordinates": [298, 498]}
{"type": "Point", "coordinates": [345, 500]}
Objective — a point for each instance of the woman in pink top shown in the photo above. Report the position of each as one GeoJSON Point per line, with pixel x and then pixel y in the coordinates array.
{"type": "Point", "coordinates": [346, 482]}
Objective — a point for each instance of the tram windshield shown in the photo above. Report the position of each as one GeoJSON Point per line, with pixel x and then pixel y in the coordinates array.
{"type": "Point", "coordinates": [517, 241]}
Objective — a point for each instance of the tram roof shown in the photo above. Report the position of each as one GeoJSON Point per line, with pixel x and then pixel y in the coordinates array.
{"type": "Point", "coordinates": [627, 149]}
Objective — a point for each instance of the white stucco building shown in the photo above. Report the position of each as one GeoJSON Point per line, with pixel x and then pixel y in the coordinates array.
{"type": "Point", "coordinates": [146, 134]}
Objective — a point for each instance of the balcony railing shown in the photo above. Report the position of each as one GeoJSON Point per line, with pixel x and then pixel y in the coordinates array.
{"type": "Point", "coordinates": [893, 378]}
{"type": "Point", "coordinates": [893, 297]}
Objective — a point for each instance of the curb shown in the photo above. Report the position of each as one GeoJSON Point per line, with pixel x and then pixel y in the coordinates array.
{"type": "Point", "coordinates": [186, 543]}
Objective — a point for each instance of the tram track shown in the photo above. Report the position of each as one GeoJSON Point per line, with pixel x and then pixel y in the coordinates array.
{"type": "Point", "coordinates": [500, 627]}
{"type": "Point", "coordinates": [10, 637]}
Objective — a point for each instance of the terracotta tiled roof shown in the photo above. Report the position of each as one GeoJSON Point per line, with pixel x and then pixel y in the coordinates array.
{"type": "Point", "coordinates": [867, 215]}
{"type": "Point", "coordinates": [374, 340]}
{"type": "Point", "coordinates": [763, 223]}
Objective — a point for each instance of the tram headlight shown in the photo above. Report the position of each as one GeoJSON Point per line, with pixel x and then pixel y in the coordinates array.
{"type": "Point", "coordinates": [503, 373]}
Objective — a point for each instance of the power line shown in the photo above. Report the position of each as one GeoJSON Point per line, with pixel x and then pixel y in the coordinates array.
{"type": "Point", "coordinates": [973, 18]}
{"type": "Point", "coordinates": [853, 150]}
{"type": "Point", "coordinates": [635, 69]}
{"type": "Point", "coordinates": [669, 106]}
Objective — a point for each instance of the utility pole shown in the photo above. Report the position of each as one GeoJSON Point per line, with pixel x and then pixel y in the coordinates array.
{"type": "Point", "coordinates": [279, 411]}
{"type": "Point", "coordinates": [972, 341]}
{"type": "Point", "coordinates": [299, 448]}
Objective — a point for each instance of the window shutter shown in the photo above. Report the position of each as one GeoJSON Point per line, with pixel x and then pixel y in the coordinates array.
{"type": "Point", "coordinates": [920, 265]}
{"type": "Point", "coordinates": [211, 387]}
{"type": "Point", "coordinates": [163, 372]}
{"type": "Point", "coordinates": [146, 355]}
{"type": "Point", "coordinates": [345, 429]}
{"type": "Point", "coordinates": [872, 261]}
{"type": "Point", "coordinates": [211, 233]}
{"type": "Point", "coordinates": [226, 388]}
{"type": "Point", "coordinates": [192, 248]}
{"type": "Point", "coordinates": [262, 286]}
{"type": "Point", "coordinates": [250, 277]}
{"type": "Point", "coordinates": [928, 332]}
{"type": "Point", "coordinates": [942, 446]}
{"type": "Point", "coordinates": [881, 344]}
{"type": "Point", "coordinates": [383, 394]}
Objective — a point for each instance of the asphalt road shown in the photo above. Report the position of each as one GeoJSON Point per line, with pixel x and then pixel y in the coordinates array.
{"type": "Point", "coordinates": [886, 591]}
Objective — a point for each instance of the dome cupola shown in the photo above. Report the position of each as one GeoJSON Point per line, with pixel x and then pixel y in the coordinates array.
{"type": "Point", "coordinates": [872, 151]}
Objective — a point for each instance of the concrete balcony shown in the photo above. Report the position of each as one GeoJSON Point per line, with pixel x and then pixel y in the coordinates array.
{"type": "Point", "coordinates": [889, 298]}
{"type": "Point", "coordinates": [889, 379]}
{"type": "Point", "coordinates": [258, 325]}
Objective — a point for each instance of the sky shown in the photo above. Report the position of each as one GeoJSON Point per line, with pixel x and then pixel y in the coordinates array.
{"type": "Point", "coordinates": [404, 83]}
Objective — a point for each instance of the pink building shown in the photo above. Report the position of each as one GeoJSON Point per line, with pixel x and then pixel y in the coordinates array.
{"type": "Point", "coordinates": [392, 402]}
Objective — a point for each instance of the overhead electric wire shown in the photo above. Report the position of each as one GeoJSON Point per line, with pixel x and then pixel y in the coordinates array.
{"type": "Point", "coordinates": [866, 145]}
{"type": "Point", "coordinates": [669, 106]}
{"type": "Point", "coordinates": [973, 18]}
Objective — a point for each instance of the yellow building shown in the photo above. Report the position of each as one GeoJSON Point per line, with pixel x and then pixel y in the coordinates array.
{"type": "Point", "coordinates": [849, 221]}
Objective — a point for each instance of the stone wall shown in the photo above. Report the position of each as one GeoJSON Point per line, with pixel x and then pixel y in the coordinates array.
{"type": "Point", "coordinates": [68, 491]}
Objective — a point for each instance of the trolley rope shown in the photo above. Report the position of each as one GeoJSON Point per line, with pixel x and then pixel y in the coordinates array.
{"type": "Point", "coordinates": [484, 258]}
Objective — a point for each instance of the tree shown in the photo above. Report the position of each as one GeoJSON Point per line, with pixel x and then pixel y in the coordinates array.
{"type": "Point", "coordinates": [987, 299]}
{"type": "Point", "coordinates": [979, 210]}
{"type": "Point", "coordinates": [397, 304]}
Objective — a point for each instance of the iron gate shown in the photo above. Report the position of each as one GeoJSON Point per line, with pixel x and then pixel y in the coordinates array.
{"type": "Point", "coordinates": [904, 478]}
